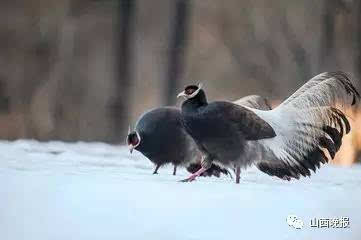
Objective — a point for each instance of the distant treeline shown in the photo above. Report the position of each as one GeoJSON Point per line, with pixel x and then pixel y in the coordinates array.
{"type": "Point", "coordinates": [86, 69]}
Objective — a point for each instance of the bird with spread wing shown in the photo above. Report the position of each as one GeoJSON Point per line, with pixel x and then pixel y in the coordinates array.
{"type": "Point", "coordinates": [288, 141]}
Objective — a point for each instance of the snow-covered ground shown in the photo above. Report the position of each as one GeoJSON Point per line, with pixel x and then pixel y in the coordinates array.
{"type": "Point", "coordinates": [97, 191]}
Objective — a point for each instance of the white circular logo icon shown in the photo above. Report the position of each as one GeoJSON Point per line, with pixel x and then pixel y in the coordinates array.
{"type": "Point", "coordinates": [294, 221]}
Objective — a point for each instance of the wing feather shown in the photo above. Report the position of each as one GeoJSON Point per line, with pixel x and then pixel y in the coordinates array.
{"type": "Point", "coordinates": [325, 89]}
{"type": "Point", "coordinates": [309, 127]}
{"type": "Point", "coordinates": [254, 101]}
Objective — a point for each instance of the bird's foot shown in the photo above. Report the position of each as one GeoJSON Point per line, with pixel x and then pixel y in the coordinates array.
{"type": "Point", "coordinates": [156, 169]}
{"type": "Point", "coordinates": [238, 174]}
{"type": "Point", "coordinates": [189, 179]}
{"type": "Point", "coordinates": [194, 175]}
{"type": "Point", "coordinates": [287, 178]}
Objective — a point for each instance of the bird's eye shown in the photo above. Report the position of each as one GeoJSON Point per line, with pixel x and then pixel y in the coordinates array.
{"type": "Point", "coordinates": [133, 139]}
{"type": "Point", "coordinates": [189, 91]}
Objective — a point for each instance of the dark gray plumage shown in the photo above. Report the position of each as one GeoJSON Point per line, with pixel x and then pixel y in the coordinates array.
{"type": "Point", "coordinates": [285, 142]}
{"type": "Point", "coordinates": [253, 101]}
{"type": "Point", "coordinates": [159, 135]}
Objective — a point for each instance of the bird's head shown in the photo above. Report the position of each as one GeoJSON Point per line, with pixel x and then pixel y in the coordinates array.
{"type": "Point", "coordinates": [133, 140]}
{"type": "Point", "coordinates": [190, 91]}
{"type": "Point", "coordinates": [194, 96]}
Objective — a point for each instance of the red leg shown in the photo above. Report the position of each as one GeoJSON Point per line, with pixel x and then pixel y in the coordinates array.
{"type": "Point", "coordinates": [194, 175]}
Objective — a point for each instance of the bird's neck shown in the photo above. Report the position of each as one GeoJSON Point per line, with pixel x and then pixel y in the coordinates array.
{"type": "Point", "coordinates": [193, 104]}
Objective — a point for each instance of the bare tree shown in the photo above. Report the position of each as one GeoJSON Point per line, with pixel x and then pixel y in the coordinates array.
{"type": "Point", "coordinates": [119, 107]}
{"type": "Point", "coordinates": [299, 54]}
{"type": "Point", "coordinates": [357, 41]}
{"type": "Point", "coordinates": [4, 99]}
{"type": "Point", "coordinates": [247, 68]}
{"type": "Point", "coordinates": [177, 49]}
{"type": "Point", "coordinates": [327, 55]}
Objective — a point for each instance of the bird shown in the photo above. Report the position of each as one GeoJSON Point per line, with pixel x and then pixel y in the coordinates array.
{"type": "Point", "coordinates": [288, 141]}
{"type": "Point", "coordinates": [254, 101]}
{"type": "Point", "coordinates": [159, 135]}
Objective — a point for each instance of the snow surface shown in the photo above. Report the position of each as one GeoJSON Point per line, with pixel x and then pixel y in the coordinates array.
{"type": "Point", "coordinates": [90, 191]}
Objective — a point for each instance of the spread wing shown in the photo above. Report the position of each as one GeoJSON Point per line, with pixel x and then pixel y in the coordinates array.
{"type": "Point", "coordinates": [309, 127]}
{"type": "Point", "coordinates": [325, 89]}
{"type": "Point", "coordinates": [254, 101]}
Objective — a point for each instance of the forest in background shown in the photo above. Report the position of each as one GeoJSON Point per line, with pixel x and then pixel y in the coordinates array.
{"type": "Point", "coordinates": [84, 70]}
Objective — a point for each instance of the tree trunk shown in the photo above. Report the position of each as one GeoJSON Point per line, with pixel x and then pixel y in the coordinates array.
{"type": "Point", "coordinates": [328, 55]}
{"type": "Point", "coordinates": [177, 50]}
{"type": "Point", "coordinates": [357, 43]}
{"type": "Point", "coordinates": [120, 104]}
{"type": "Point", "coordinates": [299, 53]}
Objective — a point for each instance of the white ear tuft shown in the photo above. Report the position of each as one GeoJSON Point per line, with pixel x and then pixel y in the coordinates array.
{"type": "Point", "coordinates": [200, 85]}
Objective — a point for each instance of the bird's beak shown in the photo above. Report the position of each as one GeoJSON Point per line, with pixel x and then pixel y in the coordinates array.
{"type": "Point", "coordinates": [181, 94]}
{"type": "Point", "coordinates": [131, 148]}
